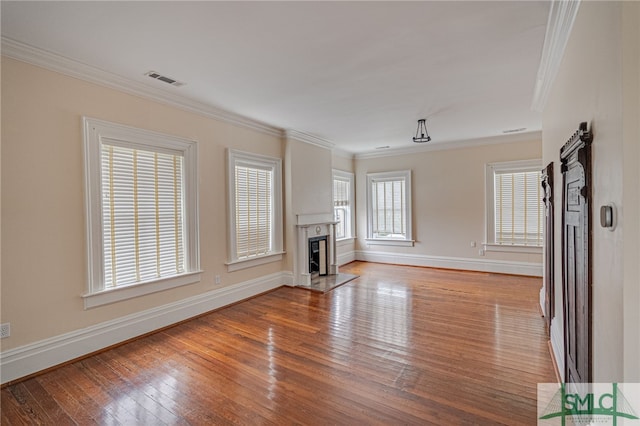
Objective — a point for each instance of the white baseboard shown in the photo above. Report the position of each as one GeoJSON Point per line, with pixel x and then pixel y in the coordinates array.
{"type": "Point", "coordinates": [38, 356]}
{"type": "Point", "coordinates": [348, 257]}
{"type": "Point", "coordinates": [557, 345]}
{"type": "Point", "coordinates": [287, 278]}
{"type": "Point", "coordinates": [468, 264]}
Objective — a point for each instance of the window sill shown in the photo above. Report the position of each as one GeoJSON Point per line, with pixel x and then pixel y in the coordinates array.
{"type": "Point", "coordinates": [345, 241]}
{"type": "Point", "coordinates": [118, 294]}
{"type": "Point", "coordinates": [389, 242]}
{"type": "Point", "coordinates": [236, 265]}
{"type": "Point", "coordinates": [504, 248]}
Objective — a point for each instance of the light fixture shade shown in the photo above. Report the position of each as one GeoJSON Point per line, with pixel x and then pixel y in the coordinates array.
{"type": "Point", "coordinates": [422, 135]}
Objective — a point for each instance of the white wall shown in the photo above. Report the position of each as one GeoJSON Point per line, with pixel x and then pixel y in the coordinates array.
{"type": "Point", "coordinates": [589, 87]}
{"type": "Point", "coordinates": [448, 208]}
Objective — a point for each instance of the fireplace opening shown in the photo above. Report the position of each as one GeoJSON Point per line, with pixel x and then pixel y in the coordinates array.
{"type": "Point", "coordinates": [318, 256]}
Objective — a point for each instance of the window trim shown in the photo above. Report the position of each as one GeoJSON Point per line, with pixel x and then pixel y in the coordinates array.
{"type": "Point", "coordinates": [234, 156]}
{"type": "Point", "coordinates": [340, 174]}
{"type": "Point", "coordinates": [94, 132]}
{"type": "Point", "coordinates": [489, 229]}
{"type": "Point", "coordinates": [408, 241]}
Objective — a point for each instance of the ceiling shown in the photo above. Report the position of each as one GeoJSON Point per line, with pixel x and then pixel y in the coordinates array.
{"type": "Point", "coordinates": [357, 74]}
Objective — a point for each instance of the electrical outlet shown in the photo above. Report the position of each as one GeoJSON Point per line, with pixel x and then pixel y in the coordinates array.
{"type": "Point", "coordinates": [481, 252]}
{"type": "Point", "coordinates": [5, 330]}
{"type": "Point", "coordinates": [473, 243]}
{"type": "Point", "coordinates": [217, 279]}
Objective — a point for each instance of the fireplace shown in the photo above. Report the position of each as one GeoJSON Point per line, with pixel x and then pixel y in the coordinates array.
{"type": "Point", "coordinates": [315, 254]}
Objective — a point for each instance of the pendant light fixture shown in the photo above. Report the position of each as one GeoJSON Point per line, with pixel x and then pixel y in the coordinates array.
{"type": "Point", "coordinates": [422, 135]}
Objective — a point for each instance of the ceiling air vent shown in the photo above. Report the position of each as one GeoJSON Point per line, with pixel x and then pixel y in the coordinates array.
{"type": "Point", "coordinates": [164, 78]}
{"type": "Point", "coordinates": [520, 129]}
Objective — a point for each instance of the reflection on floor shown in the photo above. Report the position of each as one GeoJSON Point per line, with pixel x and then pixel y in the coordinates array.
{"type": "Point", "coordinates": [326, 283]}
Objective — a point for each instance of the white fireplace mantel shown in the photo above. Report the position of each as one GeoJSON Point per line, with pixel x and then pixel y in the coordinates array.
{"type": "Point", "coordinates": [310, 226]}
{"type": "Point", "coordinates": [314, 219]}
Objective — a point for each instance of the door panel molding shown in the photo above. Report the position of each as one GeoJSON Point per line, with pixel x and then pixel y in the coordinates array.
{"type": "Point", "coordinates": [575, 158]}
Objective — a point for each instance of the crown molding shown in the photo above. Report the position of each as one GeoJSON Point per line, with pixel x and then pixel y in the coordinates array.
{"type": "Point", "coordinates": [562, 15]}
{"type": "Point", "coordinates": [307, 138]}
{"type": "Point", "coordinates": [55, 62]}
{"type": "Point", "coordinates": [441, 146]}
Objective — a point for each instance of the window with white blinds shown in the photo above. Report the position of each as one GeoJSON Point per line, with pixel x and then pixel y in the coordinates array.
{"type": "Point", "coordinates": [142, 213]}
{"type": "Point", "coordinates": [517, 211]}
{"type": "Point", "coordinates": [389, 206]}
{"type": "Point", "coordinates": [254, 209]}
{"type": "Point", "coordinates": [142, 203]}
{"type": "Point", "coordinates": [342, 203]}
{"type": "Point", "coordinates": [389, 211]}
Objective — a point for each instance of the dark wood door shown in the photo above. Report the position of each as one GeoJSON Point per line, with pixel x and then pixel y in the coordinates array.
{"type": "Point", "coordinates": [549, 286]}
{"type": "Point", "coordinates": [576, 255]}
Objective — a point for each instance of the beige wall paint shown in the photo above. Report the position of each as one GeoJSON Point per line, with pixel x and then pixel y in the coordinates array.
{"type": "Point", "coordinates": [340, 162]}
{"type": "Point", "coordinates": [1, 344]}
{"type": "Point", "coordinates": [631, 188]}
{"type": "Point", "coordinates": [311, 182]}
{"type": "Point", "coordinates": [43, 230]}
{"type": "Point", "coordinates": [345, 164]}
{"type": "Point", "coordinates": [591, 86]}
{"type": "Point", "coordinates": [448, 198]}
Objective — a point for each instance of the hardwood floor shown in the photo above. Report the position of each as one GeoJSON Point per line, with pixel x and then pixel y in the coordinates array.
{"type": "Point", "coordinates": [399, 345]}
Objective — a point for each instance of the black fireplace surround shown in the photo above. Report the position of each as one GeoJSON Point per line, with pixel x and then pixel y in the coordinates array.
{"type": "Point", "coordinates": [318, 256]}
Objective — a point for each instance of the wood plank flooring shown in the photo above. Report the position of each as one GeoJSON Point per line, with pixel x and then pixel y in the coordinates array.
{"type": "Point", "coordinates": [399, 345]}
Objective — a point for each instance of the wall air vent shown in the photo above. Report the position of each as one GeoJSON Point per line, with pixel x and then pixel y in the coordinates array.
{"type": "Point", "coordinates": [164, 78]}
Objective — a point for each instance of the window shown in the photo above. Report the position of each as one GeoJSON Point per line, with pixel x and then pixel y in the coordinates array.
{"type": "Point", "coordinates": [142, 212]}
{"type": "Point", "coordinates": [255, 210]}
{"type": "Point", "coordinates": [343, 204]}
{"type": "Point", "coordinates": [389, 208]}
{"type": "Point", "coordinates": [515, 211]}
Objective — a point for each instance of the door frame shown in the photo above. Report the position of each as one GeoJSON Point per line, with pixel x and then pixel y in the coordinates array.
{"type": "Point", "coordinates": [549, 243]}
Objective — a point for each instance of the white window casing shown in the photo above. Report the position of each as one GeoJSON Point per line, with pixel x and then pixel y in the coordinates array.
{"type": "Point", "coordinates": [514, 207]}
{"type": "Point", "coordinates": [389, 208]}
{"type": "Point", "coordinates": [343, 204]}
{"type": "Point", "coordinates": [141, 212]}
{"type": "Point", "coordinates": [255, 209]}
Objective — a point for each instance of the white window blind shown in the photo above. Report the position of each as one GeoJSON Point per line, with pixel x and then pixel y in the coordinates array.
{"type": "Point", "coordinates": [254, 210]}
{"type": "Point", "coordinates": [519, 211]}
{"type": "Point", "coordinates": [389, 219]}
{"type": "Point", "coordinates": [389, 208]}
{"type": "Point", "coordinates": [142, 211]}
{"type": "Point", "coordinates": [341, 206]}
